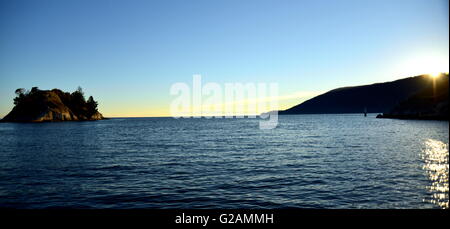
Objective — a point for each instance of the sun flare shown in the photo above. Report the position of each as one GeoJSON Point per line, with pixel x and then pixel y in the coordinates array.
{"type": "Point", "coordinates": [434, 74]}
{"type": "Point", "coordinates": [430, 65]}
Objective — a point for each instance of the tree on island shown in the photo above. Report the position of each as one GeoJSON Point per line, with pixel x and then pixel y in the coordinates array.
{"type": "Point", "coordinates": [20, 92]}
{"type": "Point", "coordinates": [91, 105]}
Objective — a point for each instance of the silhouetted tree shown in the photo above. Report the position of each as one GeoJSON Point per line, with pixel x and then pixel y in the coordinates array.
{"type": "Point", "coordinates": [78, 102]}
{"type": "Point", "coordinates": [78, 96]}
{"type": "Point", "coordinates": [91, 106]}
{"type": "Point", "coordinates": [20, 92]}
{"type": "Point", "coordinates": [34, 90]}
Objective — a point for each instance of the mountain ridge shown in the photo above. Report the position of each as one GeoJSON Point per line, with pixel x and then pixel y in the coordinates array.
{"type": "Point", "coordinates": [373, 98]}
{"type": "Point", "coordinates": [429, 103]}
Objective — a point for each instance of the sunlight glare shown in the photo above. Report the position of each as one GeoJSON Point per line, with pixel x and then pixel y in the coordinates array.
{"type": "Point", "coordinates": [435, 156]}
{"type": "Point", "coordinates": [427, 65]}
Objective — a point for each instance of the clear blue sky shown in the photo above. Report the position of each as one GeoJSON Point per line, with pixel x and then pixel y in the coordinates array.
{"type": "Point", "coordinates": [127, 54]}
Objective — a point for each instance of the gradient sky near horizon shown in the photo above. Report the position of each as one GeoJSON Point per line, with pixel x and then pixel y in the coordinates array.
{"type": "Point", "coordinates": [127, 54]}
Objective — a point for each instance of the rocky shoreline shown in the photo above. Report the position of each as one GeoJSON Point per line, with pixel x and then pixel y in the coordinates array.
{"type": "Point", "coordinates": [414, 117]}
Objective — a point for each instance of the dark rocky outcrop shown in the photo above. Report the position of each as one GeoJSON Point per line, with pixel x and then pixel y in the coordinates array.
{"type": "Point", "coordinates": [52, 105]}
{"type": "Point", "coordinates": [375, 98]}
{"type": "Point", "coordinates": [430, 103]}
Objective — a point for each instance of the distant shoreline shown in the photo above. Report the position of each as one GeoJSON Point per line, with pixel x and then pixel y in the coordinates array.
{"type": "Point", "coordinates": [413, 117]}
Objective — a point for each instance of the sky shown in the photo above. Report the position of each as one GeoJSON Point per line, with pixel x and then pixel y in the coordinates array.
{"type": "Point", "coordinates": [127, 54]}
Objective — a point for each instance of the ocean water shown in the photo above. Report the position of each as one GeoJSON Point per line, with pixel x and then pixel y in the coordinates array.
{"type": "Point", "coordinates": [308, 161]}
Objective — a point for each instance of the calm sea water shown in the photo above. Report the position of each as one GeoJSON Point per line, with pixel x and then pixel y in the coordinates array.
{"type": "Point", "coordinates": [308, 161]}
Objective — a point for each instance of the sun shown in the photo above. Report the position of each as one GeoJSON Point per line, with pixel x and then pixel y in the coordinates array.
{"type": "Point", "coordinates": [430, 65]}
{"type": "Point", "coordinates": [434, 74]}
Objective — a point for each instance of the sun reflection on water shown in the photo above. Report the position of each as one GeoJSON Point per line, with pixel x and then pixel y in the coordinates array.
{"type": "Point", "coordinates": [435, 156]}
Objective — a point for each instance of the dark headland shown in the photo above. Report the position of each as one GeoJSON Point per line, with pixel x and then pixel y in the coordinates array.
{"type": "Point", "coordinates": [52, 105]}
{"type": "Point", "coordinates": [429, 103]}
{"type": "Point", "coordinates": [419, 97]}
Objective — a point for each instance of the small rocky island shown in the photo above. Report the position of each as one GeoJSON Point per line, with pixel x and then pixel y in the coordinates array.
{"type": "Point", "coordinates": [38, 105]}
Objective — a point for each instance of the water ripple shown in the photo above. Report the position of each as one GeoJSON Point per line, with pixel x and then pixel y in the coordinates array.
{"type": "Point", "coordinates": [309, 161]}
